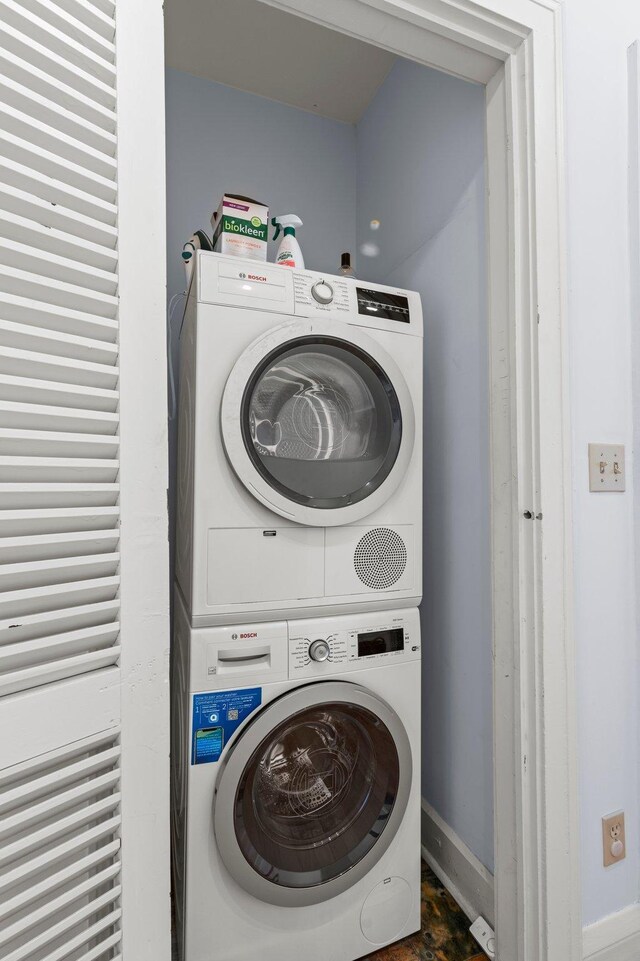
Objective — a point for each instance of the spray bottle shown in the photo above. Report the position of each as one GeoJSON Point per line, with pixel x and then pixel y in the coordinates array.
{"type": "Point", "coordinates": [289, 253]}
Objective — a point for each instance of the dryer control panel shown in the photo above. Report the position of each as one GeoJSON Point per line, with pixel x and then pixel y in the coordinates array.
{"type": "Point", "coordinates": [315, 294]}
{"type": "Point", "coordinates": [353, 646]}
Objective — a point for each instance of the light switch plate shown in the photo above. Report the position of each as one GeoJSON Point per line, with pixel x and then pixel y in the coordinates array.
{"type": "Point", "coordinates": [606, 467]}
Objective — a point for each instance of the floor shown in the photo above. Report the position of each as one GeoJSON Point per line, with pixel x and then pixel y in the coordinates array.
{"type": "Point", "coordinates": [444, 935]}
{"type": "Point", "coordinates": [445, 930]}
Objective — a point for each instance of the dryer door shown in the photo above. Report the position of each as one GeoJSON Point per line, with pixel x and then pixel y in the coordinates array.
{"type": "Point", "coordinates": [312, 793]}
{"type": "Point", "coordinates": [318, 422]}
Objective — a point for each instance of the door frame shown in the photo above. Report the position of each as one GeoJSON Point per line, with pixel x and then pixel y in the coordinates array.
{"type": "Point", "coordinates": [514, 48]}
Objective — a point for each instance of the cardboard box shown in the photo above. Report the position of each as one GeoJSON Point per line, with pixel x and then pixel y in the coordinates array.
{"type": "Point", "coordinates": [241, 227]}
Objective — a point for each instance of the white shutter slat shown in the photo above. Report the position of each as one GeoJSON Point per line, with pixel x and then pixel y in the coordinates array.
{"type": "Point", "coordinates": [21, 496]}
{"type": "Point", "coordinates": [59, 570]}
{"type": "Point", "coordinates": [80, 940]}
{"type": "Point", "coordinates": [18, 38]}
{"type": "Point", "coordinates": [60, 858]}
{"type": "Point", "coordinates": [54, 192]}
{"type": "Point", "coordinates": [58, 669]}
{"type": "Point", "coordinates": [50, 883]}
{"type": "Point", "coordinates": [41, 340]}
{"type": "Point", "coordinates": [57, 469]}
{"type": "Point", "coordinates": [58, 803]}
{"type": "Point", "coordinates": [32, 841]}
{"type": "Point", "coordinates": [60, 852]}
{"type": "Point", "coordinates": [52, 650]}
{"type": "Point", "coordinates": [47, 418]}
{"type": "Point", "coordinates": [48, 393]}
{"type": "Point", "coordinates": [76, 53]}
{"type": "Point", "coordinates": [79, 226]}
{"type": "Point", "coordinates": [48, 443]}
{"type": "Point", "coordinates": [63, 17]}
{"type": "Point", "coordinates": [29, 600]}
{"type": "Point", "coordinates": [58, 777]}
{"type": "Point", "coordinates": [108, 7]}
{"type": "Point", "coordinates": [32, 78]}
{"type": "Point", "coordinates": [18, 309]}
{"type": "Point", "coordinates": [69, 150]}
{"type": "Point", "coordinates": [92, 14]}
{"type": "Point", "coordinates": [14, 253]}
{"type": "Point", "coordinates": [68, 370]}
{"type": "Point", "coordinates": [59, 125]}
{"type": "Point", "coordinates": [11, 880]}
{"type": "Point", "coordinates": [59, 243]}
{"type": "Point", "coordinates": [24, 283]}
{"type": "Point", "coordinates": [54, 904]}
{"type": "Point", "coordinates": [57, 520]}
{"type": "Point", "coordinates": [37, 625]}
{"type": "Point", "coordinates": [83, 180]}
{"type": "Point", "coordinates": [41, 546]}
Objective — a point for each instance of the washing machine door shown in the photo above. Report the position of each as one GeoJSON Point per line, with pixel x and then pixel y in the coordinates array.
{"type": "Point", "coordinates": [318, 422]}
{"type": "Point", "coordinates": [312, 793]}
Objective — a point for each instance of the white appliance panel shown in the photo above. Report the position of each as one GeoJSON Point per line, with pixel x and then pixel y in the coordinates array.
{"type": "Point", "coordinates": [213, 500]}
{"type": "Point", "coordinates": [343, 927]}
{"type": "Point", "coordinates": [248, 565]}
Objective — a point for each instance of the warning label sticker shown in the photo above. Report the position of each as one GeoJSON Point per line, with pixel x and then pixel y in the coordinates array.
{"type": "Point", "coordinates": [216, 715]}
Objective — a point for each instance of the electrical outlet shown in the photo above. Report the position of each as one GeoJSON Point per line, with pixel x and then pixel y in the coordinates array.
{"type": "Point", "coordinates": [485, 936]}
{"type": "Point", "coordinates": [606, 467]}
{"type": "Point", "coordinates": [614, 847]}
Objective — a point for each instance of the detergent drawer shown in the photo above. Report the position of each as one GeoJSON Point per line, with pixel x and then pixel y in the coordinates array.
{"type": "Point", "coordinates": [264, 564]}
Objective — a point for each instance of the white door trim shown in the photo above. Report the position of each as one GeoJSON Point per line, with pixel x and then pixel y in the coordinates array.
{"type": "Point", "coordinates": [146, 912]}
{"type": "Point", "coordinates": [514, 47]}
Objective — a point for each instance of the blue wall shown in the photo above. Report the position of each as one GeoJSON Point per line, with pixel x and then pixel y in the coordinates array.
{"type": "Point", "coordinates": [420, 172]}
{"type": "Point", "coordinates": [221, 139]}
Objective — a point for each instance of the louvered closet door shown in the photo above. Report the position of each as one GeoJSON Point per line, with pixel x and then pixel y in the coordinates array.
{"type": "Point", "coordinates": [59, 498]}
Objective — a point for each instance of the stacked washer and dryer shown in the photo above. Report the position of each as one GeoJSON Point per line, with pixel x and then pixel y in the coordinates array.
{"type": "Point", "coordinates": [296, 650]}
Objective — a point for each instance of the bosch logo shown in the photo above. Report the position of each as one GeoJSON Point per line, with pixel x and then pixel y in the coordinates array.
{"type": "Point", "coordinates": [257, 277]}
{"type": "Point", "coordinates": [234, 637]}
{"type": "Point", "coordinates": [251, 634]}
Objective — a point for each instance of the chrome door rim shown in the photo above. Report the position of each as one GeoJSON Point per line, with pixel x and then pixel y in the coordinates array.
{"type": "Point", "coordinates": [232, 435]}
{"type": "Point", "coordinates": [237, 757]}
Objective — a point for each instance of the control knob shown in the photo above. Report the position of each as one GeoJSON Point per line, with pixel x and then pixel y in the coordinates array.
{"type": "Point", "coordinates": [319, 650]}
{"type": "Point", "coordinates": [322, 292]}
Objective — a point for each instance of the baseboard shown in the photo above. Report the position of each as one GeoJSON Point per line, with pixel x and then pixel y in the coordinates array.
{"type": "Point", "coordinates": [615, 938]}
{"type": "Point", "coordinates": [470, 883]}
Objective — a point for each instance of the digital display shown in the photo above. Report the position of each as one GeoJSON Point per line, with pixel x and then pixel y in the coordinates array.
{"type": "Point", "coordinates": [383, 305]}
{"type": "Point", "coordinates": [380, 642]}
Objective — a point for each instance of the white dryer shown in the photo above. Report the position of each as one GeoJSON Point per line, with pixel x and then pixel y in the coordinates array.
{"type": "Point", "coordinates": [300, 444]}
{"type": "Point", "coordinates": [296, 805]}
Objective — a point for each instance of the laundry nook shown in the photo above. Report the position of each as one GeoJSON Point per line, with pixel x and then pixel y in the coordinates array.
{"type": "Point", "coordinates": [297, 412]}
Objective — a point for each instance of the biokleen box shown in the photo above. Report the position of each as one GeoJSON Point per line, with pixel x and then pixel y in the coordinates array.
{"type": "Point", "coordinates": [240, 228]}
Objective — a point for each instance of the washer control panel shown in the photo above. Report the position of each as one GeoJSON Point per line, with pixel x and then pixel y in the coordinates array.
{"type": "Point", "coordinates": [373, 644]}
{"type": "Point", "coordinates": [315, 294]}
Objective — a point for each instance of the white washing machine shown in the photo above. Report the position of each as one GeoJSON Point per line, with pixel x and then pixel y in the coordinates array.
{"type": "Point", "coordinates": [296, 801]}
{"type": "Point", "coordinates": [300, 444]}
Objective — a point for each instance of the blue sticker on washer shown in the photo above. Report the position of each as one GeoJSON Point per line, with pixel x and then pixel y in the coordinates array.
{"type": "Point", "coordinates": [215, 717]}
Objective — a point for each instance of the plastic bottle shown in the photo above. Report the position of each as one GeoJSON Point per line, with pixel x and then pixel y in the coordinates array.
{"type": "Point", "coordinates": [289, 253]}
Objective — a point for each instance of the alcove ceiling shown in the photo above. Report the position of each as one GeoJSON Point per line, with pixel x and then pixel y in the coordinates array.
{"type": "Point", "coordinates": [254, 47]}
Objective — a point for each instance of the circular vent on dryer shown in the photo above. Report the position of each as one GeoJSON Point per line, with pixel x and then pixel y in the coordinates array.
{"type": "Point", "coordinates": [380, 558]}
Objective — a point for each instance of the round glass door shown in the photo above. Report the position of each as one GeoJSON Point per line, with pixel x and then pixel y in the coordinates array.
{"type": "Point", "coordinates": [312, 793]}
{"type": "Point", "coordinates": [321, 422]}
{"type": "Point", "coordinates": [316, 795]}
